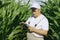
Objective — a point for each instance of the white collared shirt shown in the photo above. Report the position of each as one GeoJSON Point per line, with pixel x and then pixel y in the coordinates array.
{"type": "Point", "coordinates": [40, 22]}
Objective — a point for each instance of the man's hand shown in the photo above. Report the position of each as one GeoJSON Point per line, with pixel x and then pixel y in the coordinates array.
{"type": "Point", "coordinates": [22, 23]}
{"type": "Point", "coordinates": [31, 29]}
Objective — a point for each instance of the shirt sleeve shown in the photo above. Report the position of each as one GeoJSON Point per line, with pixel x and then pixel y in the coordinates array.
{"type": "Point", "coordinates": [28, 20]}
{"type": "Point", "coordinates": [43, 24]}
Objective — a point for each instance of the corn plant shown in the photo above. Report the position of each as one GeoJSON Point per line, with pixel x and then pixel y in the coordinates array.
{"type": "Point", "coordinates": [52, 11]}
{"type": "Point", "coordinates": [11, 14]}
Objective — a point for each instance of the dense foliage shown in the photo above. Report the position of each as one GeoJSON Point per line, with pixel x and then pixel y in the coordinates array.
{"type": "Point", "coordinates": [52, 11]}
{"type": "Point", "coordinates": [11, 14]}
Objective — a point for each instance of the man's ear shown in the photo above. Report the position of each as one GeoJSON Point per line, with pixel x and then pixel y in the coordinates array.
{"type": "Point", "coordinates": [40, 10]}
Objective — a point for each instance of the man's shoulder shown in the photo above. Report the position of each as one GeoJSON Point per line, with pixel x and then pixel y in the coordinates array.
{"type": "Point", "coordinates": [45, 18]}
{"type": "Point", "coordinates": [31, 17]}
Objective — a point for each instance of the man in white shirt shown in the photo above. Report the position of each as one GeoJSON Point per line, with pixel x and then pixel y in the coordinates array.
{"type": "Point", "coordinates": [37, 24]}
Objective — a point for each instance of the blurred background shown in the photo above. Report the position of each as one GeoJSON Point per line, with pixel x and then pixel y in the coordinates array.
{"type": "Point", "coordinates": [32, 1]}
{"type": "Point", "coordinates": [12, 12]}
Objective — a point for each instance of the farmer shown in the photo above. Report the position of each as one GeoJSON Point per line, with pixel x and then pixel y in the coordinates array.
{"type": "Point", "coordinates": [37, 24]}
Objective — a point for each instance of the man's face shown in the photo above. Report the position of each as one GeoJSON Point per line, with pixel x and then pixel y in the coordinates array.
{"type": "Point", "coordinates": [35, 12]}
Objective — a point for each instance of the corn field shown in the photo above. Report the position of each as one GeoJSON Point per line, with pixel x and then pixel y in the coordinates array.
{"type": "Point", "coordinates": [12, 13]}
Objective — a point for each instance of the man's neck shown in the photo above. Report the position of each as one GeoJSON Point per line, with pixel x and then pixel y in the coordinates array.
{"type": "Point", "coordinates": [38, 15]}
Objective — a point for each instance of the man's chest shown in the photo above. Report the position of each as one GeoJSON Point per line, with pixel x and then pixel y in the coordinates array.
{"type": "Point", "coordinates": [34, 22]}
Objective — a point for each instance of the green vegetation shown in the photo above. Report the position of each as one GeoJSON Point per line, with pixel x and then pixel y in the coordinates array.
{"type": "Point", "coordinates": [11, 14]}
{"type": "Point", "coordinates": [52, 11]}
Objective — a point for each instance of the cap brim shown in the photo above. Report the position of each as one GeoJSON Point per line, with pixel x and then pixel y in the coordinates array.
{"type": "Point", "coordinates": [33, 8]}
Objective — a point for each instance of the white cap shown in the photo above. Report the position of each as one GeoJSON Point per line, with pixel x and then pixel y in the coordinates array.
{"type": "Point", "coordinates": [35, 5]}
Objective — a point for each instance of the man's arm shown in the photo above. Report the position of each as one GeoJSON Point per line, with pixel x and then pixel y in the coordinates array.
{"type": "Point", "coordinates": [38, 31]}
{"type": "Point", "coordinates": [41, 31]}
